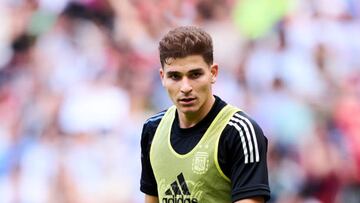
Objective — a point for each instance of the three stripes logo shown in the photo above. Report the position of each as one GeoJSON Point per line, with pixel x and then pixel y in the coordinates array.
{"type": "Point", "coordinates": [178, 192]}
{"type": "Point", "coordinates": [248, 137]}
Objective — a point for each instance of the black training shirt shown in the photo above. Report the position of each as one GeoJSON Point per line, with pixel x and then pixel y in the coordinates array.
{"type": "Point", "coordinates": [241, 154]}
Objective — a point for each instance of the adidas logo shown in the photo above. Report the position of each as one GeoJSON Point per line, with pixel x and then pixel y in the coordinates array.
{"type": "Point", "coordinates": [178, 192]}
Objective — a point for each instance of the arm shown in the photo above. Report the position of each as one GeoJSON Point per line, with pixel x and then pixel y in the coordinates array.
{"type": "Point", "coordinates": [246, 166]}
{"type": "Point", "coordinates": [152, 199]}
{"type": "Point", "coordinates": [252, 200]}
{"type": "Point", "coordinates": [147, 182]}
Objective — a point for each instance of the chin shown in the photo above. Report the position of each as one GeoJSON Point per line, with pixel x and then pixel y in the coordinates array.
{"type": "Point", "coordinates": [188, 109]}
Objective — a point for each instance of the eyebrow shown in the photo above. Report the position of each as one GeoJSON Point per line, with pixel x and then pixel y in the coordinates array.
{"type": "Point", "coordinates": [172, 72]}
{"type": "Point", "coordinates": [196, 70]}
{"type": "Point", "coordinates": [191, 71]}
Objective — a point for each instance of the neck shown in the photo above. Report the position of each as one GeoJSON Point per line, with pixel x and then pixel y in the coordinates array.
{"type": "Point", "coordinates": [188, 120]}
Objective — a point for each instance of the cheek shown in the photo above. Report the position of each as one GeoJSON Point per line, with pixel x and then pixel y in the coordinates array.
{"type": "Point", "coordinates": [171, 89]}
{"type": "Point", "coordinates": [204, 86]}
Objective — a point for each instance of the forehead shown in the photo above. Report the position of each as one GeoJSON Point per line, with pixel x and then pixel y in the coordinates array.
{"type": "Point", "coordinates": [185, 64]}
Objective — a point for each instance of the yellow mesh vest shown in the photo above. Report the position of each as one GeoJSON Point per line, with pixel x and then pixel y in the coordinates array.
{"type": "Point", "coordinates": [195, 176]}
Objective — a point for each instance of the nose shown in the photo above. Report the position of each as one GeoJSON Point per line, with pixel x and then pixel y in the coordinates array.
{"type": "Point", "coordinates": [186, 87]}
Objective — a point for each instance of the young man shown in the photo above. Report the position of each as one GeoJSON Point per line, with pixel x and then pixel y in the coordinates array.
{"type": "Point", "coordinates": [201, 149]}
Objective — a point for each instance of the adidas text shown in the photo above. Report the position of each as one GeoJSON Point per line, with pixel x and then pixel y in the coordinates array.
{"type": "Point", "coordinates": [179, 199]}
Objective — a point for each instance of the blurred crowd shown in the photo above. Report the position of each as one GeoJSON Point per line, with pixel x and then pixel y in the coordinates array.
{"type": "Point", "coordinates": [79, 78]}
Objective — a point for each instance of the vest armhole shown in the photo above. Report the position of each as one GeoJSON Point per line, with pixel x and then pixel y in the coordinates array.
{"type": "Point", "coordinates": [233, 111]}
{"type": "Point", "coordinates": [155, 134]}
{"type": "Point", "coordinates": [222, 174]}
{"type": "Point", "coordinates": [217, 161]}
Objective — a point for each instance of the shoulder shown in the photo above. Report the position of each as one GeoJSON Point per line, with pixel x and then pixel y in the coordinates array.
{"type": "Point", "coordinates": [243, 121]}
{"type": "Point", "coordinates": [244, 133]}
{"type": "Point", "coordinates": [154, 120]}
{"type": "Point", "coordinates": [151, 124]}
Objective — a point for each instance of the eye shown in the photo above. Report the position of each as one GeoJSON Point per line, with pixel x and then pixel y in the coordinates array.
{"type": "Point", "coordinates": [195, 75]}
{"type": "Point", "coordinates": [174, 76]}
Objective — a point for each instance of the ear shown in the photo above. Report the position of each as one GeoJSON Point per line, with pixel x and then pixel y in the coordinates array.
{"type": "Point", "coordinates": [162, 75]}
{"type": "Point", "coordinates": [214, 69]}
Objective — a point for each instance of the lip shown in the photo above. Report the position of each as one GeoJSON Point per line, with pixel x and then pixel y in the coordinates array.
{"type": "Point", "coordinates": [187, 101]}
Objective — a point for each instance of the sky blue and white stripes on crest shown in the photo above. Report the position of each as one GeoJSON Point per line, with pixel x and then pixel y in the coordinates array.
{"type": "Point", "coordinates": [247, 137]}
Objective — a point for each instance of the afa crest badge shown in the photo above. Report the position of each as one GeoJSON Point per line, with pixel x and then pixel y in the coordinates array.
{"type": "Point", "coordinates": [200, 163]}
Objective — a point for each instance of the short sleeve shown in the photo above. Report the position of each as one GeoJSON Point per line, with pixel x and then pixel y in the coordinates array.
{"type": "Point", "coordinates": [242, 157]}
{"type": "Point", "coordinates": [148, 183]}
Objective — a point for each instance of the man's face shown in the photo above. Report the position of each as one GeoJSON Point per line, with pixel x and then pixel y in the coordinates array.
{"type": "Point", "coordinates": [188, 81]}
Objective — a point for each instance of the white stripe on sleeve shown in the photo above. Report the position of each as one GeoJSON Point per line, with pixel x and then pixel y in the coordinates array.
{"type": "Point", "coordinates": [242, 141]}
{"type": "Point", "coordinates": [257, 157]}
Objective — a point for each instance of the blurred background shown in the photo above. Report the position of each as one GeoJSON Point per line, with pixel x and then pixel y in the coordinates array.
{"type": "Point", "coordinates": [79, 78]}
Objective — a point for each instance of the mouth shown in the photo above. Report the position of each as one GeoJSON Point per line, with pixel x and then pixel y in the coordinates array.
{"type": "Point", "coordinates": [187, 101]}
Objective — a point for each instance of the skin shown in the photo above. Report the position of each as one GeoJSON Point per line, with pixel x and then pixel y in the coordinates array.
{"type": "Point", "coordinates": [188, 82]}
{"type": "Point", "coordinates": [151, 199]}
